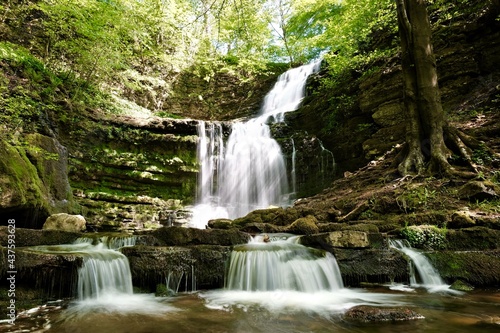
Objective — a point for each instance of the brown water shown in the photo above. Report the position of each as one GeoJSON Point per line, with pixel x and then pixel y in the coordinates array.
{"type": "Point", "coordinates": [217, 312]}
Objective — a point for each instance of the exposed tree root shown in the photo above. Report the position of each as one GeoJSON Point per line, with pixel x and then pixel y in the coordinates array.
{"type": "Point", "coordinates": [412, 162]}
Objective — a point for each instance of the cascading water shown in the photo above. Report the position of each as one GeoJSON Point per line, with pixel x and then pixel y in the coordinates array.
{"type": "Point", "coordinates": [104, 279]}
{"type": "Point", "coordinates": [280, 274]}
{"type": "Point", "coordinates": [248, 172]}
{"type": "Point", "coordinates": [428, 275]}
{"type": "Point", "coordinates": [282, 265]}
{"type": "Point", "coordinates": [103, 271]}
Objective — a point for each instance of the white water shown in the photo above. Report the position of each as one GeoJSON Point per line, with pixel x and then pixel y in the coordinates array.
{"type": "Point", "coordinates": [104, 279]}
{"type": "Point", "coordinates": [429, 276]}
{"type": "Point", "coordinates": [282, 265]}
{"type": "Point", "coordinates": [247, 171]}
{"type": "Point", "coordinates": [284, 276]}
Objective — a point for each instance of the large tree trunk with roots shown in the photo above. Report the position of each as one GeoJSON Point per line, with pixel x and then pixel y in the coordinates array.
{"type": "Point", "coordinates": [426, 150]}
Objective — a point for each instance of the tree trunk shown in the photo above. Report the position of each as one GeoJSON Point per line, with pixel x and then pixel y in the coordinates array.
{"type": "Point", "coordinates": [422, 100]}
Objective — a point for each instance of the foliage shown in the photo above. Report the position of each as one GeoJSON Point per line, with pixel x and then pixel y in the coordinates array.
{"type": "Point", "coordinates": [414, 198]}
{"type": "Point", "coordinates": [425, 236]}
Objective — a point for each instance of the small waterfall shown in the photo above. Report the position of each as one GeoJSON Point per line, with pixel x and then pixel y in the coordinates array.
{"type": "Point", "coordinates": [282, 265]}
{"type": "Point", "coordinates": [110, 242]}
{"type": "Point", "coordinates": [103, 271]}
{"type": "Point", "coordinates": [293, 172]}
{"type": "Point", "coordinates": [248, 172]}
{"type": "Point", "coordinates": [428, 275]}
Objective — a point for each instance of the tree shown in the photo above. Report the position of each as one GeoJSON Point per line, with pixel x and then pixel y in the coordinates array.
{"type": "Point", "coordinates": [430, 139]}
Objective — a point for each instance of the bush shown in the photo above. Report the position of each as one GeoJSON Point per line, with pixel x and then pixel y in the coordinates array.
{"type": "Point", "coordinates": [425, 236]}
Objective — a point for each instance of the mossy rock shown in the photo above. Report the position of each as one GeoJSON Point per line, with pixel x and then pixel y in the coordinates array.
{"type": "Point", "coordinates": [461, 286]}
{"type": "Point", "coordinates": [276, 216]}
{"type": "Point", "coordinates": [479, 269]}
{"type": "Point", "coordinates": [220, 224]}
{"type": "Point", "coordinates": [365, 227]}
{"type": "Point", "coordinates": [179, 236]}
{"type": "Point", "coordinates": [475, 238]}
{"type": "Point", "coordinates": [304, 226]}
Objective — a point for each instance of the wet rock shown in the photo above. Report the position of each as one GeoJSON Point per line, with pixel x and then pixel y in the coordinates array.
{"type": "Point", "coordinates": [371, 266]}
{"type": "Point", "coordinates": [179, 236]}
{"type": "Point", "coordinates": [367, 314]}
{"type": "Point", "coordinates": [461, 286]}
{"type": "Point", "coordinates": [54, 275]}
{"type": "Point", "coordinates": [220, 224]}
{"type": "Point", "coordinates": [65, 222]}
{"type": "Point", "coordinates": [476, 268]}
{"type": "Point", "coordinates": [199, 266]}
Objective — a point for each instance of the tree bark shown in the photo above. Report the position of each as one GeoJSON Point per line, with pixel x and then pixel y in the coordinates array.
{"type": "Point", "coordinates": [427, 151]}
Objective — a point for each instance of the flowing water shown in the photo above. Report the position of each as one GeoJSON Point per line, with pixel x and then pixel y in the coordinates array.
{"type": "Point", "coordinates": [427, 274]}
{"type": "Point", "coordinates": [276, 286]}
{"type": "Point", "coordinates": [248, 170]}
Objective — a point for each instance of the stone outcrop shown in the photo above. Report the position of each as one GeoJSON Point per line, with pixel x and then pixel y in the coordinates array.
{"type": "Point", "coordinates": [344, 239]}
{"type": "Point", "coordinates": [51, 274]}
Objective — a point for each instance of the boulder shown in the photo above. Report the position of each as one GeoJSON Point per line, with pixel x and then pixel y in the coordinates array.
{"type": "Point", "coordinates": [304, 226]}
{"type": "Point", "coordinates": [461, 219]}
{"type": "Point", "coordinates": [220, 224]}
{"type": "Point", "coordinates": [368, 314]}
{"type": "Point", "coordinates": [343, 239]}
{"type": "Point", "coordinates": [65, 222]}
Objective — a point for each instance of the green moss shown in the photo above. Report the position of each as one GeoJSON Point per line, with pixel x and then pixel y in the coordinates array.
{"type": "Point", "coordinates": [475, 268]}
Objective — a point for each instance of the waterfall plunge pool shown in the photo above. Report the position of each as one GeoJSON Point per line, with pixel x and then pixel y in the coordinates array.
{"type": "Point", "coordinates": [244, 312]}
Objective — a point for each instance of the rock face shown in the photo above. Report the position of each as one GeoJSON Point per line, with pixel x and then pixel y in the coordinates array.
{"type": "Point", "coordinates": [199, 267]}
{"type": "Point", "coordinates": [65, 222]}
{"type": "Point", "coordinates": [34, 180]}
{"type": "Point", "coordinates": [133, 173]}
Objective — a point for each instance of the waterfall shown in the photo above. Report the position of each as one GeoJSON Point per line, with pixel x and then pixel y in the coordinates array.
{"type": "Point", "coordinates": [248, 170]}
{"type": "Point", "coordinates": [428, 275]}
{"type": "Point", "coordinates": [110, 242]}
{"type": "Point", "coordinates": [103, 271]}
{"type": "Point", "coordinates": [282, 265]}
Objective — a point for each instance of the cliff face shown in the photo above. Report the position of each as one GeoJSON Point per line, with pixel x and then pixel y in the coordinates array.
{"type": "Point", "coordinates": [131, 173]}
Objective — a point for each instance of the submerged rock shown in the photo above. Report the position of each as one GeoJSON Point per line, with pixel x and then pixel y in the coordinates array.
{"type": "Point", "coordinates": [367, 314]}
